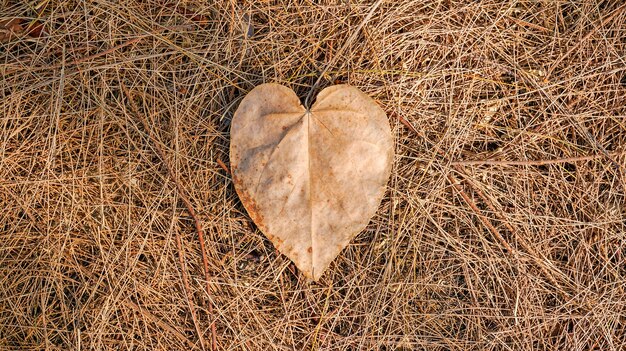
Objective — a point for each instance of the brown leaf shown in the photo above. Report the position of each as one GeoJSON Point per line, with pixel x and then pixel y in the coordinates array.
{"type": "Point", "coordinates": [14, 27]}
{"type": "Point", "coordinates": [36, 30]}
{"type": "Point", "coordinates": [310, 180]}
{"type": "Point", "coordinates": [10, 28]}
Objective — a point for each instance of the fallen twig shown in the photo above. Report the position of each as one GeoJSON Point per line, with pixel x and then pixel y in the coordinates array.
{"type": "Point", "coordinates": [528, 24]}
{"type": "Point", "coordinates": [531, 252]}
{"type": "Point", "coordinates": [480, 216]}
{"type": "Point", "coordinates": [531, 162]}
{"type": "Point", "coordinates": [192, 212]}
{"type": "Point", "coordinates": [144, 312]}
{"type": "Point", "coordinates": [458, 166]}
{"type": "Point", "coordinates": [223, 166]}
{"type": "Point", "coordinates": [604, 22]}
{"type": "Point", "coordinates": [96, 55]}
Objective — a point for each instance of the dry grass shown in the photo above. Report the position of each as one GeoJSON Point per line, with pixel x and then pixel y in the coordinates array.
{"type": "Point", "coordinates": [488, 256]}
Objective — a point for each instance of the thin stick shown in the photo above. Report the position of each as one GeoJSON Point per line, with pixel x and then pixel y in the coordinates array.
{"type": "Point", "coordinates": [494, 231]}
{"type": "Point", "coordinates": [341, 50]}
{"type": "Point", "coordinates": [160, 323]}
{"type": "Point", "coordinates": [528, 24]}
{"type": "Point", "coordinates": [608, 19]}
{"type": "Point", "coordinates": [465, 197]}
{"type": "Point", "coordinates": [127, 43]}
{"type": "Point", "coordinates": [223, 166]}
{"type": "Point", "coordinates": [99, 54]}
{"type": "Point", "coordinates": [188, 205]}
{"type": "Point", "coordinates": [406, 123]}
{"type": "Point", "coordinates": [533, 255]}
{"type": "Point", "coordinates": [144, 312]}
{"type": "Point", "coordinates": [531, 162]}
{"type": "Point", "coordinates": [480, 216]}
{"type": "Point", "coordinates": [187, 289]}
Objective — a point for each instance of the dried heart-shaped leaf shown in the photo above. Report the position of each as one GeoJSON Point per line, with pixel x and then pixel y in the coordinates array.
{"type": "Point", "coordinates": [310, 179]}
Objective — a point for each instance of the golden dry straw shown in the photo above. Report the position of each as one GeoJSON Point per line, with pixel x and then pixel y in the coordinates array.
{"type": "Point", "coordinates": [489, 256]}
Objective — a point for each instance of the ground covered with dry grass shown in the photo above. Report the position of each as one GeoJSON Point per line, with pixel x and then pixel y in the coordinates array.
{"type": "Point", "coordinates": [114, 122]}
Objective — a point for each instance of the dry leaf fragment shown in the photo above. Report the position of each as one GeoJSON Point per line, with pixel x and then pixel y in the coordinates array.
{"type": "Point", "coordinates": [310, 179]}
{"type": "Point", "coordinates": [14, 27]}
{"type": "Point", "coordinates": [10, 28]}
